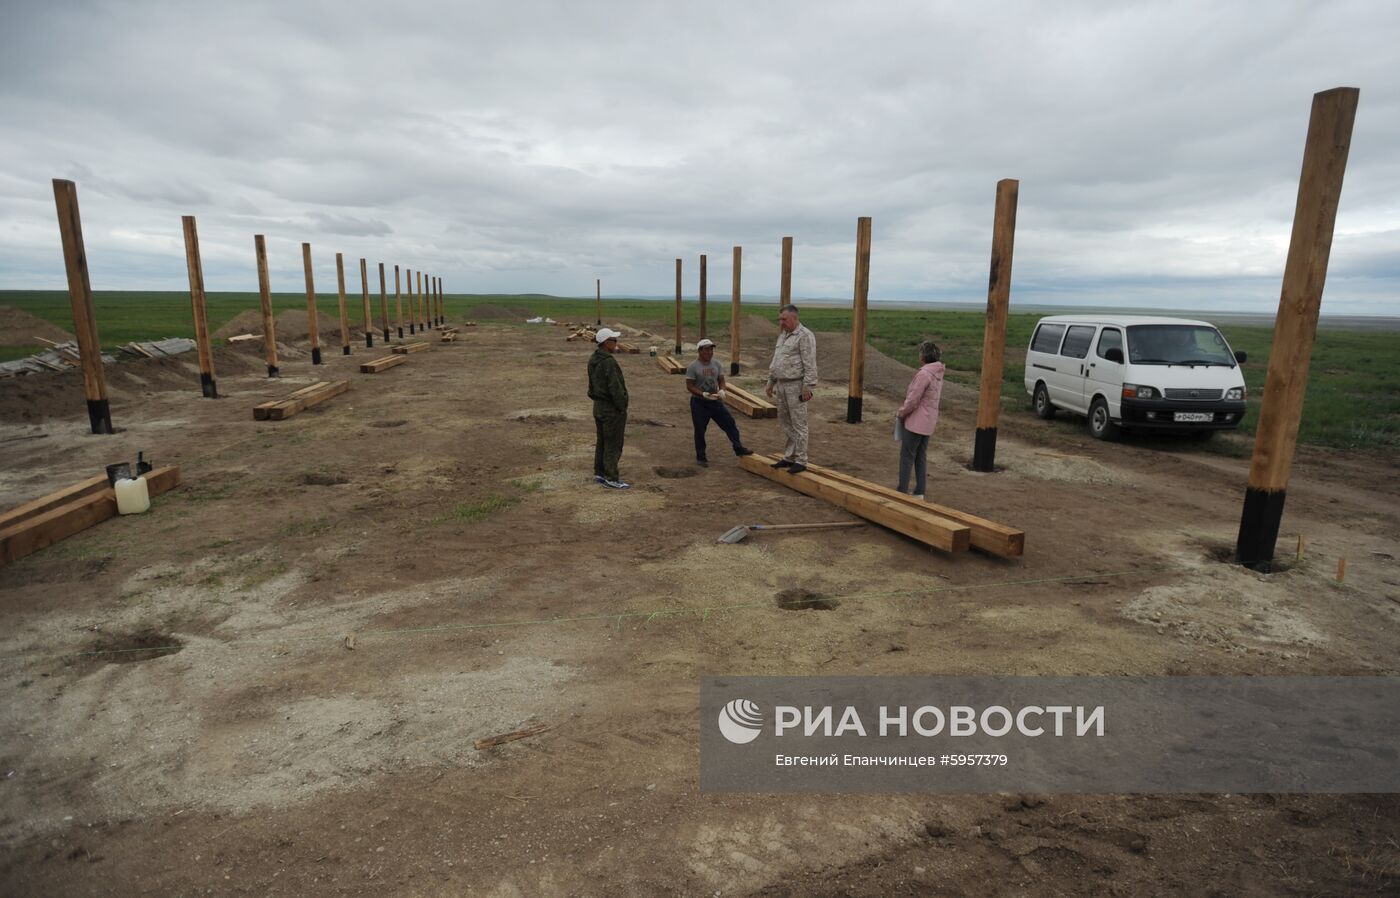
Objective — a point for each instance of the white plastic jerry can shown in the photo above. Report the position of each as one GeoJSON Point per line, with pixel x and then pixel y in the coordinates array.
{"type": "Point", "coordinates": [133, 496]}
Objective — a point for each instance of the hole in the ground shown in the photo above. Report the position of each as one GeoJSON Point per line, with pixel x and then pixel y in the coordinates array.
{"type": "Point", "coordinates": [798, 599]}
{"type": "Point", "coordinates": [673, 473]}
{"type": "Point", "coordinates": [396, 423]}
{"type": "Point", "coordinates": [128, 648]}
{"type": "Point", "coordinates": [1224, 553]}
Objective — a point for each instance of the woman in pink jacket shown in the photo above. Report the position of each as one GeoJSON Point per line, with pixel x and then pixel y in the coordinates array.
{"type": "Point", "coordinates": [919, 415]}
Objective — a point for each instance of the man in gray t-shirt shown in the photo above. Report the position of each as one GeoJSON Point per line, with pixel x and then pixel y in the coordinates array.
{"type": "Point", "coordinates": [704, 379]}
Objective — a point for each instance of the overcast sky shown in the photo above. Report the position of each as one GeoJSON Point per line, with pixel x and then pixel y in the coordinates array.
{"type": "Point", "coordinates": [532, 147]}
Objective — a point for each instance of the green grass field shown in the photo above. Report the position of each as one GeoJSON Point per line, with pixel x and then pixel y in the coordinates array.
{"type": "Point", "coordinates": [1353, 398]}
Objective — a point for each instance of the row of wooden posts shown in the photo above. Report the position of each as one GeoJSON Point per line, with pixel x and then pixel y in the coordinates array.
{"type": "Point", "coordinates": [998, 300]}
{"type": "Point", "coordinates": [1295, 329]}
{"type": "Point", "coordinates": [426, 305]}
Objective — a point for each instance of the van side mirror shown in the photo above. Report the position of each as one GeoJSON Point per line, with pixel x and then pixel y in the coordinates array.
{"type": "Point", "coordinates": [1114, 354]}
{"type": "Point", "coordinates": [1241, 356]}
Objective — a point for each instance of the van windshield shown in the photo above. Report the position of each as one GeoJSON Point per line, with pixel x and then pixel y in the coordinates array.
{"type": "Point", "coordinates": [1177, 344]}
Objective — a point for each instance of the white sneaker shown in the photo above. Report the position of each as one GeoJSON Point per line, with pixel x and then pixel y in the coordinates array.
{"type": "Point", "coordinates": [919, 496]}
{"type": "Point", "coordinates": [617, 485]}
{"type": "Point", "coordinates": [598, 478]}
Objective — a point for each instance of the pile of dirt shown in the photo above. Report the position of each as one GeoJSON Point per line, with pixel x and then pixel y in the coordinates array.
{"type": "Point", "coordinates": [759, 326]}
{"type": "Point", "coordinates": [291, 325]}
{"type": "Point", "coordinates": [247, 322]}
{"type": "Point", "coordinates": [489, 311]}
{"type": "Point", "coordinates": [19, 328]}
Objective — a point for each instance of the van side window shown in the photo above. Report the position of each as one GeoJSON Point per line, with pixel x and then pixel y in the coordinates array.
{"type": "Point", "coordinates": [1077, 341]}
{"type": "Point", "coordinates": [1110, 339]}
{"type": "Point", "coordinates": [1047, 338]}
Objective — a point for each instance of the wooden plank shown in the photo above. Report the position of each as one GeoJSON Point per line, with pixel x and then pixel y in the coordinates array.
{"type": "Point", "coordinates": [62, 521]}
{"type": "Point", "coordinates": [384, 364]}
{"type": "Point", "coordinates": [288, 408]}
{"type": "Point", "coordinates": [47, 503]}
{"type": "Point", "coordinates": [260, 411]}
{"type": "Point", "coordinates": [989, 536]}
{"type": "Point", "coordinates": [742, 400]}
{"type": "Point", "coordinates": [924, 526]}
{"type": "Point", "coordinates": [412, 347]}
{"type": "Point", "coordinates": [669, 364]}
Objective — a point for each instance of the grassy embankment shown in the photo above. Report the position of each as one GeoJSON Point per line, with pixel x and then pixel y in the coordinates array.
{"type": "Point", "coordinates": [1353, 398]}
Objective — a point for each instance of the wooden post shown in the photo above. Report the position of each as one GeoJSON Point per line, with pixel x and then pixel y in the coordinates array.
{"type": "Point", "coordinates": [398, 300]}
{"type": "Point", "coordinates": [412, 303]}
{"type": "Point", "coordinates": [1341, 569]}
{"type": "Point", "coordinates": [442, 315]}
{"type": "Point", "coordinates": [1304, 274]}
{"type": "Point", "coordinates": [678, 307]}
{"type": "Point", "coordinates": [344, 314]}
{"type": "Point", "coordinates": [734, 316]}
{"type": "Point", "coordinates": [785, 291]}
{"type": "Point", "coordinates": [70, 229]}
{"type": "Point", "coordinates": [311, 323]}
{"type": "Point", "coordinates": [984, 447]}
{"type": "Point", "coordinates": [422, 305]}
{"type": "Point", "coordinates": [856, 391]}
{"type": "Point", "coordinates": [383, 302]}
{"type": "Point", "coordinates": [598, 285]}
{"type": "Point", "coordinates": [364, 292]}
{"type": "Point", "coordinates": [265, 298]}
{"type": "Point", "coordinates": [703, 333]}
{"type": "Point", "coordinates": [207, 383]}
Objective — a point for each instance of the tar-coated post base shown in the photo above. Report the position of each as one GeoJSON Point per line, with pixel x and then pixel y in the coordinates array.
{"type": "Point", "coordinates": [412, 328]}
{"type": "Point", "coordinates": [678, 349]}
{"type": "Point", "coordinates": [345, 350]}
{"type": "Point", "coordinates": [100, 416]}
{"type": "Point", "coordinates": [206, 383]}
{"type": "Point", "coordinates": [984, 449]}
{"type": "Point", "coordinates": [1259, 523]}
{"type": "Point", "coordinates": [400, 333]}
{"type": "Point", "coordinates": [316, 356]}
{"type": "Point", "coordinates": [272, 371]}
{"type": "Point", "coordinates": [386, 335]}
{"type": "Point", "coordinates": [733, 369]}
{"type": "Point", "coordinates": [369, 341]}
{"type": "Point", "coordinates": [853, 408]}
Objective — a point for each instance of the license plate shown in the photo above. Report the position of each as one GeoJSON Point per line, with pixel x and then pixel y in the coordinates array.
{"type": "Point", "coordinates": [1184, 417]}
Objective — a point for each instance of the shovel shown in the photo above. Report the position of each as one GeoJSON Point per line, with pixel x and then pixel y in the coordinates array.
{"type": "Point", "coordinates": [737, 534]}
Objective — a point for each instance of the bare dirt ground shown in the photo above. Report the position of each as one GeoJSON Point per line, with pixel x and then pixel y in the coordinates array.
{"type": "Point", "coordinates": [183, 712]}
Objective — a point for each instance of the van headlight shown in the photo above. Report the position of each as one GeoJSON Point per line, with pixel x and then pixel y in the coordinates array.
{"type": "Point", "coordinates": [1137, 391]}
{"type": "Point", "coordinates": [1235, 393]}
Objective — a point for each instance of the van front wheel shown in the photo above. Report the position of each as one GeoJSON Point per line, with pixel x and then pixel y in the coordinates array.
{"type": "Point", "coordinates": [1101, 424]}
{"type": "Point", "coordinates": [1041, 404]}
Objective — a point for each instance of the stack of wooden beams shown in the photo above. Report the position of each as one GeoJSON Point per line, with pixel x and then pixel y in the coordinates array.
{"type": "Point", "coordinates": [585, 333]}
{"type": "Point", "coordinates": [742, 400]}
{"type": "Point", "coordinates": [406, 348]}
{"type": "Point", "coordinates": [669, 364]}
{"type": "Point", "coordinates": [300, 401]}
{"type": "Point", "coordinates": [384, 364]}
{"type": "Point", "coordinates": [935, 525]}
{"type": "Point", "coordinates": [57, 516]}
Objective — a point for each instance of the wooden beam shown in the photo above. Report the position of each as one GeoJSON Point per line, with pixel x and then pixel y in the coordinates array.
{"type": "Point", "coordinates": [312, 325]}
{"type": "Point", "coordinates": [384, 364]}
{"type": "Point", "coordinates": [70, 229]}
{"type": "Point", "coordinates": [678, 307]}
{"type": "Point", "coordinates": [422, 304]}
{"type": "Point", "coordinates": [412, 303]}
{"type": "Point", "coordinates": [207, 383]}
{"type": "Point", "coordinates": [38, 506]}
{"type": "Point", "coordinates": [406, 348]}
{"type": "Point", "coordinates": [989, 536]}
{"type": "Point", "coordinates": [984, 448]}
{"type": "Point", "coordinates": [734, 315]}
{"type": "Point", "coordinates": [265, 303]}
{"type": "Point", "coordinates": [344, 313]}
{"type": "Point", "coordinates": [703, 280]}
{"type": "Point", "coordinates": [1295, 327]}
{"type": "Point", "coordinates": [743, 401]}
{"type": "Point", "coordinates": [856, 390]}
{"type": "Point", "coordinates": [669, 364]}
{"type": "Point", "coordinates": [364, 292]}
{"type": "Point", "coordinates": [785, 288]}
{"type": "Point", "coordinates": [924, 526]}
{"type": "Point", "coordinates": [398, 300]}
{"type": "Point", "coordinates": [306, 397]}
{"type": "Point", "coordinates": [383, 302]}
{"type": "Point", "coordinates": [598, 302]}
{"type": "Point", "coordinates": [62, 521]}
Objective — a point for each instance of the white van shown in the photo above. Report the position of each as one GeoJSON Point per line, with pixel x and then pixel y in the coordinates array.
{"type": "Point", "coordinates": [1135, 372]}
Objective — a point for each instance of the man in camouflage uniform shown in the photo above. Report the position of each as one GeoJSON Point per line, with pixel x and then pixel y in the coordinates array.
{"type": "Point", "coordinates": [609, 394]}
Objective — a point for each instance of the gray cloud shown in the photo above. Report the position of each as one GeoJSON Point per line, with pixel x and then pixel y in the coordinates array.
{"type": "Point", "coordinates": [535, 146]}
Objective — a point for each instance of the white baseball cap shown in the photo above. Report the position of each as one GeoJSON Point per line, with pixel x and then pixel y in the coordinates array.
{"type": "Point", "coordinates": [605, 334]}
{"type": "Point", "coordinates": [705, 342]}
